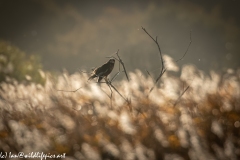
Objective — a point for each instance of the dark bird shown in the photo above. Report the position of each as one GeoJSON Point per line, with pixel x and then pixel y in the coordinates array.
{"type": "Point", "coordinates": [103, 71]}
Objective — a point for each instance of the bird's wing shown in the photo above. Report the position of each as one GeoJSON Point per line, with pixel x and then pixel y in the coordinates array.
{"type": "Point", "coordinates": [102, 70]}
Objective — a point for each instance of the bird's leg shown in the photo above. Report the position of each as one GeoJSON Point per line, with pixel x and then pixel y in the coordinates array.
{"type": "Point", "coordinates": [106, 79]}
{"type": "Point", "coordinates": [99, 79]}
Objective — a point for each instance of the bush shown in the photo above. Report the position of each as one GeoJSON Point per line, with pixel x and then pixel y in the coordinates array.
{"type": "Point", "coordinates": [87, 124]}
{"type": "Point", "coordinates": [15, 64]}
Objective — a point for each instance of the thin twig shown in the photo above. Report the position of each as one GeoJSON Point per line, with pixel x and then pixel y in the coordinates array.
{"type": "Point", "coordinates": [120, 60]}
{"type": "Point", "coordinates": [110, 95]}
{"type": "Point", "coordinates": [156, 81]}
{"type": "Point", "coordinates": [190, 42]}
{"type": "Point", "coordinates": [105, 92]}
{"type": "Point", "coordinates": [115, 76]}
{"type": "Point", "coordinates": [119, 65]}
{"type": "Point", "coordinates": [118, 92]}
{"type": "Point", "coordinates": [187, 47]}
{"type": "Point", "coordinates": [113, 57]}
{"type": "Point", "coordinates": [148, 73]}
{"type": "Point", "coordinates": [81, 71]}
{"type": "Point", "coordinates": [110, 84]}
{"type": "Point", "coordinates": [163, 69]}
{"type": "Point", "coordinates": [161, 75]}
{"type": "Point", "coordinates": [181, 96]}
{"type": "Point", "coordinates": [159, 49]}
{"type": "Point", "coordinates": [69, 91]}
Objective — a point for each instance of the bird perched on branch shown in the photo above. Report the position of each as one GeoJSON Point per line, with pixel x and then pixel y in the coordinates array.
{"type": "Point", "coordinates": [103, 71]}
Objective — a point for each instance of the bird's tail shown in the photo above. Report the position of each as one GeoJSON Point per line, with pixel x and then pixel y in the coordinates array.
{"type": "Point", "coordinates": [93, 76]}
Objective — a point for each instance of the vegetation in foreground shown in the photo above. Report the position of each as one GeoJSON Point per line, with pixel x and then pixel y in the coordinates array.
{"type": "Point", "coordinates": [203, 123]}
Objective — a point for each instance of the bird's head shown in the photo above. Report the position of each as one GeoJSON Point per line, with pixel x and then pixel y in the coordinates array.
{"type": "Point", "coordinates": [111, 60]}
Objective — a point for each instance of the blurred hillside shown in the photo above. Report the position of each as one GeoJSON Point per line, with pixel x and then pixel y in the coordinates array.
{"type": "Point", "coordinates": [72, 34]}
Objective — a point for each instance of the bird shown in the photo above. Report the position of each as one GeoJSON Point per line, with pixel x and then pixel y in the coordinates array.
{"type": "Point", "coordinates": [103, 71]}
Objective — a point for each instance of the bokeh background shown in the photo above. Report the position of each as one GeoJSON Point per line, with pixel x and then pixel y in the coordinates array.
{"type": "Point", "coordinates": [80, 34]}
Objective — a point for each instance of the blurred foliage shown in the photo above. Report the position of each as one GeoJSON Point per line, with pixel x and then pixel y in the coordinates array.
{"type": "Point", "coordinates": [15, 64]}
{"type": "Point", "coordinates": [88, 124]}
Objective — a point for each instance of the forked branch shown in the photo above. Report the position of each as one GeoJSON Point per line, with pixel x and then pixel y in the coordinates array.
{"type": "Point", "coordinates": [163, 69]}
{"type": "Point", "coordinates": [120, 62]}
{"type": "Point", "coordinates": [109, 83]}
{"type": "Point", "coordinates": [159, 49]}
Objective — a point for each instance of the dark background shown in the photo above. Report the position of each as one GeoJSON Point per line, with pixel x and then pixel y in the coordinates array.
{"type": "Point", "coordinates": [80, 34]}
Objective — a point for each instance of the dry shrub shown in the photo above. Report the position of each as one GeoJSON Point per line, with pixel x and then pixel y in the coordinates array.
{"type": "Point", "coordinates": [87, 124]}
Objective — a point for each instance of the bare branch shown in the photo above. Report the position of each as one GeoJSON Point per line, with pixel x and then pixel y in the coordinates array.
{"type": "Point", "coordinates": [148, 73]}
{"type": "Point", "coordinates": [159, 49]}
{"type": "Point", "coordinates": [69, 91]}
{"type": "Point", "coordinates": [187, 47]}
{"type": "Point", "coordinates": [163, 69]}
{"type": "Point", "coordinates": [111, 94]}
{"type": "Point", "coordinates": [110, 84]}
{"type": "Point", "coordinates": [113, 57]}
{"type": "Point", "coordinates": [156, 81]}
{"type": "Point", "coordinates": [120, 60]}
{"type": "Point", "coordinates": [161, 75]}
{"type": "Point", "coordinates": [110, 97]}
{"type": "Point", "coordinates": [181, 96]}
{"type": "Point", "coordinates": [115, 76]}
{"type": "Point", "coordinates": [81, 71]}
{"type": "Point", "coordinates": [118, 92]}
